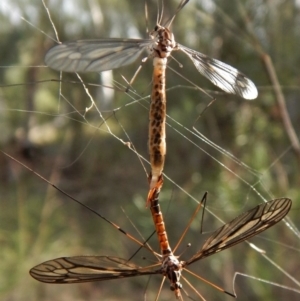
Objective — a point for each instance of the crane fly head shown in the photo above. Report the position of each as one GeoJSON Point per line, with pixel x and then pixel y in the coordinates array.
{"type": "Point", "coordinates": [164, 41]}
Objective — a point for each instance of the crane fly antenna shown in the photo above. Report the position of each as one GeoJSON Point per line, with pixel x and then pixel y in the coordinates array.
{"type": "Point", "coordinates": [160, 13]}
{"type": "Point", "coordinates": [146, 17]}
{"type": "Point", "coordinates": [178, 9]}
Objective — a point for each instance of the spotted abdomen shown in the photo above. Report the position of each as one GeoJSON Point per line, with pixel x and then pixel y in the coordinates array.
{"type": "Point", "coordinates": [157, 120]}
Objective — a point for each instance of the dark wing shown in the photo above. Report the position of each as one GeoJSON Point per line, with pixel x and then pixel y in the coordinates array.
{"type": "Point", "coordinates": [222, 75]}
{"type": "Point", "coordinates": [243, 227]}
{"type": "Point", "coordinates": [95, 55]}
{"type": "Point", "coordinates": [87, 268]}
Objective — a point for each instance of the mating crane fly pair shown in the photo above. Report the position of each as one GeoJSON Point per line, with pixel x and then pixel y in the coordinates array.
{"type": "Point", "coordinates": [107, 54]}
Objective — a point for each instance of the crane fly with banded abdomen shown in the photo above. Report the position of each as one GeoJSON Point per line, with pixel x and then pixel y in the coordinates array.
{"type": "Point", "coordinates": [107, 54]}
{"type": "Point", "coordinates": [79, 269]}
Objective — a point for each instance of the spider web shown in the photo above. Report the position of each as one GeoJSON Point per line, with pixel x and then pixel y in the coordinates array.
{"type": "Point", "coordinates": [89, 137]}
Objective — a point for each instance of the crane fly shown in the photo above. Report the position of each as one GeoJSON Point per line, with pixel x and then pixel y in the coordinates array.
{"type": "Point", "coordinates": [79, 269]}
{"type": "Point", "coordinates": [107, 54]}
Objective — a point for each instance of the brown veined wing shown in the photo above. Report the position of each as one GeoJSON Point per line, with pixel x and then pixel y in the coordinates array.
{"type": "Point", "coordinates": [95, 55]}
{"type": "Point", "coordinates": [243, 227]}
{"type": "Point", "coordinates": [99, 268]}
{"type": "Point", "coordinates": [222, 75]}
{"type": "Point", "coordinates": [88, 268]}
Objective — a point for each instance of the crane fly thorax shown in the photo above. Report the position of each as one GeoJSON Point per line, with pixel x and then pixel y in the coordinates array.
{"type": "Point", "coordinates": [171, 267]}
{"type": "Point", "coordinates": [164, 42]}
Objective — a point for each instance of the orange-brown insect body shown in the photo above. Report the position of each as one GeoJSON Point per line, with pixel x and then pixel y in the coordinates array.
{"type": "Point", "coordinates": [157, 121]}
{"type": "Point", "coordinates": [164, 44]}
{"type": "Point", "coordinates": [171, 267]}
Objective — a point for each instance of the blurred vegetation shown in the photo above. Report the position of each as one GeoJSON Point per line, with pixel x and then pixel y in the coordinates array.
{"type": "Point", "coordinates": [50, 132]}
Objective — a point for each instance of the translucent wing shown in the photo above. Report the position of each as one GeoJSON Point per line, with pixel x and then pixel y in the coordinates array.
{"type": "Point", "coordinates": [95, 55]}
{"type": "Point", "coordinates": [244, 226]}
{"type": "Point", "coordinates": [222, 75]}
{"type": "Point", "coordinates": [87, 268]}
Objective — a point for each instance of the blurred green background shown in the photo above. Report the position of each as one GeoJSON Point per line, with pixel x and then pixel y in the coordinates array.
{"type": "Point", "coordinates": [44, 125]}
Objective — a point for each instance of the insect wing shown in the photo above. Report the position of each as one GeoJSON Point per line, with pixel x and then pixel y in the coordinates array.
{"type": "Point", "coordinates": [243, 227]}
{"type": "Point", "coordinates": [87, 268]}
{"type": "Point", "coordinates": [222, 75]}
{"type": "Point", "coordinates": [95, 55]}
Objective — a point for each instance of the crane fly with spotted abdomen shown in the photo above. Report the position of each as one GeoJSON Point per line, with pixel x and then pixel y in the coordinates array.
{"type": "Point", "coordinates": [79, 269]}
{"type": "Point", "coordinates": [107, 54]}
